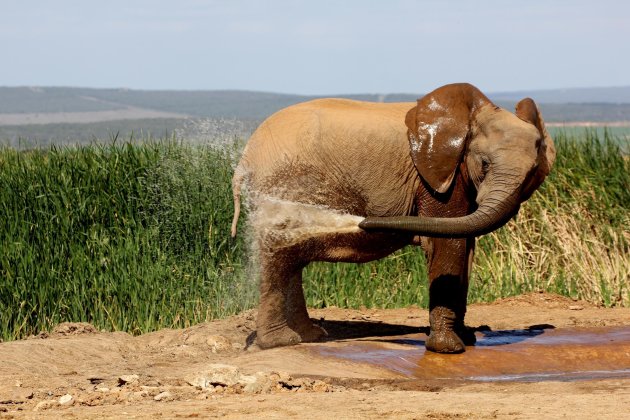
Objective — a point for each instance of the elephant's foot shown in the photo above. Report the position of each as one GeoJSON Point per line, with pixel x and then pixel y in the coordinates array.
{"type": "Point", "coordinates": [445, 342]}
{"type": "Point", "coordinates": [310, 332]}
{"type": "Point", "coordinates": [283, 335]}
{"type": "Point", "coordinates": [445, 337]}
{"type": "Point", "coordinates": [276, 336]}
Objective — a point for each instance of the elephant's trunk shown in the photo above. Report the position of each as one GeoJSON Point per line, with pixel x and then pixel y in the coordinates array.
{"type": "Point", "coordinates": [498, 207]}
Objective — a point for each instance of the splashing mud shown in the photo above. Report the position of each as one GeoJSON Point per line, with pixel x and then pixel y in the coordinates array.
{"type": "Point", "coordinates": [286, 222]}
{"type": "Point", "coordinates": [218, 132]}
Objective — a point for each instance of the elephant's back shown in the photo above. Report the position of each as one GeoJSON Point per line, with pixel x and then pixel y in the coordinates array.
{"type": "Point", "coordinates": [328, 141]}
{"type": "Point", "coordinates": [324, 123]}
{"type": "Point", "coordinates": [355, 115]}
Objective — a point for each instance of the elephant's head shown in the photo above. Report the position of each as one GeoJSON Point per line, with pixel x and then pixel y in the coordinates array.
{"type": "Point", "coordinates": [505, 157]}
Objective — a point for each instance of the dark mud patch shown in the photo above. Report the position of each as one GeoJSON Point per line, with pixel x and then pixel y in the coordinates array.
{"type": "Point", "coordinates": [539, 353]}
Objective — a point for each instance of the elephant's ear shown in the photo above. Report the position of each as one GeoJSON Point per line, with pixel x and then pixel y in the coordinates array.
{"type": "Point", "coordinates": [528, 111]}
{"type": "Point", "coordinates": [438, 129]}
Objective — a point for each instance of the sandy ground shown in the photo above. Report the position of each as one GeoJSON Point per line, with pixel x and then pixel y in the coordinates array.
{"type": "Point", "coordinates": [372, 366]}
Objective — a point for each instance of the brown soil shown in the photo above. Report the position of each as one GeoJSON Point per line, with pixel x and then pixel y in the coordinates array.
{"type": "Point", "coordinates": [210, 370]}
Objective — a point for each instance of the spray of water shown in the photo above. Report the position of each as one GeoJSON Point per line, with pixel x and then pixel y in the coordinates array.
{"type": "Point", "coordinates": [216, 132]}
{"type": "Point", "coordinates": [191, 205]}
{"type": "Point", "coordinates": [267, 218]}
{"type": "Point", "coordinates": [287, 223]}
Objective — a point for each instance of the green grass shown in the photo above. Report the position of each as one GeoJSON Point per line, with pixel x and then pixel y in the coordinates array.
{"type": "Point", "coordinates": [127, 237]}
{"type": "Point", "coordinates": [135, 237]}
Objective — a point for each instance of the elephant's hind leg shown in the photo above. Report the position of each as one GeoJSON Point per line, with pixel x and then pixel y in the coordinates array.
{"type": "Point", "coordinates": [282, 315]}
{"type": "Point", "coordinates": [297, 314]}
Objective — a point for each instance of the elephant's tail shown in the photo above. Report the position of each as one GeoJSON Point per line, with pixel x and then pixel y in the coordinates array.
{"type": "Point", "coordinates": [237, 182]}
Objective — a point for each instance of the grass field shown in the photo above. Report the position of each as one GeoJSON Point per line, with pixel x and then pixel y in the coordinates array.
{"type": "Point", "coordinates": [135, 237]}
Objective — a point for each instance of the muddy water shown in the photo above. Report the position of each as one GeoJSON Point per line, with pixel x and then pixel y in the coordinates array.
{"type": "Point", "coordinates": [290, 222]}
{"type": "Point", "coordinates": [567, 354]}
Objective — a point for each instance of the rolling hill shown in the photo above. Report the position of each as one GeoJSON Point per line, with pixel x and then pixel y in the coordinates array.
{"type": "Point", "coordinates": [51, 114]}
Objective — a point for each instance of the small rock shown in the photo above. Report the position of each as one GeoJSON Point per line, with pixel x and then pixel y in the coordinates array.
{"type": "Point", "coordinates": [216, 374]}
{"type": "Point", "coordinates": [575, 307]}
{"type": "Point", "coordinates": [297, 383]}
{"type": "Point", "coordinates": [137, 396]}
{"type": "Point", "coordinates": [127, 379]}
{"type": "Point", "coordinates": [280, 376]}
{"type": "Point", "coordinates": [45, 405]}
{"type": "Point", "coordinates": [102, 389]}
{"type": "Point", "coordinates": [219, 377]}
{"type": "Point", "coordinates": [150, 390]}
{"type": "Point", "coordinates": [123, 396]}
{"type": "Point", "coordinates": [66, 399]}
{"type": "Point", "coordinates": [152, 382]}
{"type": "Point", "coordinates": [218, 343]}
{"type": "Point", "coordinates": [320, 386]}
{"type": "Point", "coordinates": [163, 396]}
{"type": "Point", "coordinates": [257, 383]}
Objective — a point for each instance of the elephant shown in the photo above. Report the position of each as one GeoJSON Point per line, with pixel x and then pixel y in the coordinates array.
{"type": "Point", "coordinates": [352, 181]}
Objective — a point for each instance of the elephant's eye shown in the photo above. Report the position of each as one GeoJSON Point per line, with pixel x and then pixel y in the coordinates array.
{"type": "Point", "coordinates": [484, 165]}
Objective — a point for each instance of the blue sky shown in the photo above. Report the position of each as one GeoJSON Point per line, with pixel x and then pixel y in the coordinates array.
{"type": "Point", "coordinates": [315, 47]}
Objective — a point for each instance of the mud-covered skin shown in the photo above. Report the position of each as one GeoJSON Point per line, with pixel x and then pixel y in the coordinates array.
{"type": "Point", "coordinates": [282, 315]}
{"type": "Point", "coordinates": [449, 263]}
{"type": "Point", "coordinates": [438, 173]}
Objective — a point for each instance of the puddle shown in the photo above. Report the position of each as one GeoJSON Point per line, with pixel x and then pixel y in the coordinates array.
{"type": "Point", "coordinates": [532, 355]}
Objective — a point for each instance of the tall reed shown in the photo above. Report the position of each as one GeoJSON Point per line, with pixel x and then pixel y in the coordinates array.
{"type": "Point", "coordinates": [135, 237]}
{"type": "Point", "coordinates": [128, 237]}
{"type": "Point", "coordinates": [573, 236]}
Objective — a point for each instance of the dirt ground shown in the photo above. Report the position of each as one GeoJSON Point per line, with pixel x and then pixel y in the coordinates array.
{"type": "Point", "coordinates": [372, 366]}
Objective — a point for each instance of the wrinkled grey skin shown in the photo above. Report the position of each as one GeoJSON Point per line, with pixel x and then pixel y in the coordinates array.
{"type": "Point", "coordinates": [436, 173]}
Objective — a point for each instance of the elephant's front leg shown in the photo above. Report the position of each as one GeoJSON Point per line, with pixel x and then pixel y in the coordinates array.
{"type": "Point", "coordinates": [282, 315]}
{"type": "Point", "coordinates": [449, 268]}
